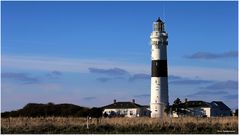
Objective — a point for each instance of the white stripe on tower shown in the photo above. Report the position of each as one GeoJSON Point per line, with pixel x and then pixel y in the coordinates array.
{"type": "Point", "coordinates": [159, 72]}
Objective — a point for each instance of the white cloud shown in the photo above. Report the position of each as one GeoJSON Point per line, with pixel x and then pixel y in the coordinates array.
{"type": "Point", "coordinates": [66, 64]}
{"type": "Point", "coordinates": [206, 73]}
{"type": "Point", "coordinates": [82, 65]}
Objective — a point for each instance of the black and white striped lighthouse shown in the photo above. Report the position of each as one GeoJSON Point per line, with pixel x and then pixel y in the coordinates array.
{"type": "Point", "coordinates": [159, 70]}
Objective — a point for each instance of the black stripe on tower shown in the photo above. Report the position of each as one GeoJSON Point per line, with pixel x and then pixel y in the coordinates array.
{"type": "Point", "coordinates": [159, 68]}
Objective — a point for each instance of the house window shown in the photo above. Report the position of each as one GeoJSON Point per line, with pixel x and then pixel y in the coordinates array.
{"type": "Point", "coordinates": [118, 112]}
{"type": "Point", "coordinates": [130, 112]}
{"type": "Point", "coordinates": [125, 112]}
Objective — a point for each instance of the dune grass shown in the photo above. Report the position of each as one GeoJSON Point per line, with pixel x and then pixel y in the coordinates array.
{"type": "Point", "coordinates": [119, 125]}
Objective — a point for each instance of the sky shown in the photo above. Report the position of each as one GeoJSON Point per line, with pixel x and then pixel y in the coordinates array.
{"type": "Point", "coordinates": [90, 53]}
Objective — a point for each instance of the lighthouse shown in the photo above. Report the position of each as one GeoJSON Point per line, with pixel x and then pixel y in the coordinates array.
{"type": "Point", "coordinates": [159, 70]}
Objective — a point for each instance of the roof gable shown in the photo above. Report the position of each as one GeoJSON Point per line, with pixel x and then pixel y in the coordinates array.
{"type": "Point", "coordinates": [190, 104]}
{"type": "Point", "coordinates": [122, 105]}
{"type": "Point", "coordinates": [220, 105]}
{"type": "Point", "coordinates": [197, 104]}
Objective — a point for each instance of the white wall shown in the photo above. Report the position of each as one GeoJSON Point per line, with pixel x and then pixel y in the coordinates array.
{"type": "Point", "coordinates": [200, 111]}
{"type": "Point", "coordinates": [175, 114]}
{"type": "Point", "coordinates": [208, 111]}
{"type": "Point", "coordinates": [196, 111]}
{"type": "Point", "coordinates": [131, 112]}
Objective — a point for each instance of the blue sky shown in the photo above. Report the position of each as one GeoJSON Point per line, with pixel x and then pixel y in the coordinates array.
{"type": "Point", "coordinates": [89, 53]}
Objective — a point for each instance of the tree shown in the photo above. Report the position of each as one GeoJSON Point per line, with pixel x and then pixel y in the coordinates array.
{"type": "Point", "coordinates": [236, 112]}
{"type": "Point", "coordinates": [167, 109]}
{"type": "Point", "coordinates": [178, 107]}
{"type": "Point", "coordinates": [51, 109]}
{"type": "Point", "coordinates": [105, 115]}
{"type": "Point", "coordinates": [96, 112]}
{"type": "Point", "coordinates": [177, 101]}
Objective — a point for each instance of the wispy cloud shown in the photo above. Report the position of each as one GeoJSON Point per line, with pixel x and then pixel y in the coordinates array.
{"type": "Point", "coordinates": [50, 86]}
{"type": "Point", "coordinates": [21, 77]}
{"type": "Point", "coordinates": [229, 85]}
{"type": "Point", "coordinates": [233, 97]}
{"type": "Point", "coordinates": [118, 73]}
{"type": "Point", "coordinates": [34, 63]}
{"type": "Point", "coordinates": [205, 73]}
{"type": "Point", "coordinates": [54, 74]}
{"type": "Point", "coordinates": [142, 76]}
{"type": "Point", "coordinates": [208, 55]}
{"type": "Point", "coordinates": [111, 72]}
{"type": "Point", "coordinates": [142, 96]}
{"type": "Point", "coordinates": [67, 64]}
{"type": "Point", "coordinates": [173, 77]}
{"type": "Point", "coordinates": [190, 81]}
{"type": "Point", "coordinates": [106, 79]}
{"type": "Point", "coordinates": [187, 81]}
{"type": "Point", "coordinates": [103, 79]}
{"type": "Point", "coordinates": [139, 76]}
{"type": "Point", "coordinates": [89, 98]}
{"type": "Point", "coordinates": [206, 93]}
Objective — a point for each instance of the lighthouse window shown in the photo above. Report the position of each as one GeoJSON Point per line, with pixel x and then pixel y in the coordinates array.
{"type": "Point", "coordinates": [155, 43]}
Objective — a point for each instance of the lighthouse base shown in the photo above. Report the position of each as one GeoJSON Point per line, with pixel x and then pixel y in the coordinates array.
{"type": "Point", "coordinates": [157, 110]}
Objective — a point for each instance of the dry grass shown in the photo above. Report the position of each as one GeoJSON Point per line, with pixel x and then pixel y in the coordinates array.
{"type": "Point", "coordinates": [120, 125]}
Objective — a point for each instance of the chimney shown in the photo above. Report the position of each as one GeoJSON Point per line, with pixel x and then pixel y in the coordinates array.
{"type": "Point", "coordinates": [114, 100]}
{"type": "Point", "coordinates": [186, 100]}
{"type": "Point", "coordinates": [133, 100]}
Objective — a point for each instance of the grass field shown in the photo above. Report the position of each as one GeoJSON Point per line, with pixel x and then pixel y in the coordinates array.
{"type": "Point", "coordinates": [119, 125]}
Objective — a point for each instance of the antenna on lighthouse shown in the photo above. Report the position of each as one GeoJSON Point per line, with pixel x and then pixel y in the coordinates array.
{"type": "Point", "coordinates": [164, 14]}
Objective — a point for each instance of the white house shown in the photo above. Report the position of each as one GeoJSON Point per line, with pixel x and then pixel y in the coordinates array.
{"type": "Point", "coordinates": [126, 109]}
{"type": "Point", "coordinates": [200, 109]}
{"type": "Point", "coordinates": [218, 108]}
